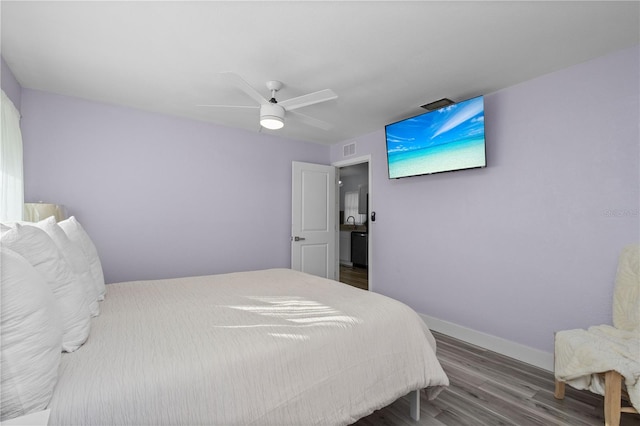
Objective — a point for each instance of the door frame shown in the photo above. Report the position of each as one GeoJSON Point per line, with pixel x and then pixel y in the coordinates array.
{"type": "Point", "coordinates": [353, 162]}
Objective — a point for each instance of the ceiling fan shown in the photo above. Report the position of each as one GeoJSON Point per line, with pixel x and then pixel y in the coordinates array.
{"type": "Point", "coordinates": [272, 112]}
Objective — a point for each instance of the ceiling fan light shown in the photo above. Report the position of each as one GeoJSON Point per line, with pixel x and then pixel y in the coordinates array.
{"type": "Point", "coordinates": [272, 116]}
{"type": "Point", "coordinates": [271, 122]}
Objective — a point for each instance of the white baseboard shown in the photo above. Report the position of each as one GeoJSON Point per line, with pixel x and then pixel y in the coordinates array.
{"type": "Point", "coordinates": [502, 346]}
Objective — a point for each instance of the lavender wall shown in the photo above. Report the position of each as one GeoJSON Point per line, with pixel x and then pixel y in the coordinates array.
{"type": "Point", "coordinates": [10, 85]}
{"type": "Point", "coordinates": [162, 196]}
{"type": "Point", "coordinates": [528, 245]}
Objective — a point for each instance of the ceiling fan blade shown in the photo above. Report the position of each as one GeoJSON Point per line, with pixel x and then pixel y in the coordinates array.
{"type": "Point", "coordinates": [229, 106]}
{"type": "Point", "coordinates": [309, 99]}
{"type": "Point", "coordinates": [241, 84]}
{"type": "Point", "coordinates": [311, 121]}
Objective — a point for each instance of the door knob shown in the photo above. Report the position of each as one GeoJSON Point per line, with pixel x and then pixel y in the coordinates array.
{"type": "Point", "coordinates": [298, 238]}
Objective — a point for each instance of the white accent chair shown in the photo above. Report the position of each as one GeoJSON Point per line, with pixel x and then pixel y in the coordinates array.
{"type": "Point", "coordinates": [606, 359]}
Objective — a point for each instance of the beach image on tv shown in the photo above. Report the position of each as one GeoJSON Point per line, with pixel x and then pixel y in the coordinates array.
{"type": "Point", "coordinates": [451, 138]}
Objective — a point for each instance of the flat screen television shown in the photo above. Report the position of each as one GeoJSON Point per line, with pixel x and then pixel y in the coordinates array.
{"type": "Point", "coordinates": [443, 140]}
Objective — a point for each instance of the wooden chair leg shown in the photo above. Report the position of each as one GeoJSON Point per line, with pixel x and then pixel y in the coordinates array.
{"type": "Point", "coordinates": [612, 395]}
{"type": "Point", "coordinates": [559, 392]}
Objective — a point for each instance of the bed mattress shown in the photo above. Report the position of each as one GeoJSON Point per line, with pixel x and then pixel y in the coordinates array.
{"type": "Point", "coordinates": [272, 347]}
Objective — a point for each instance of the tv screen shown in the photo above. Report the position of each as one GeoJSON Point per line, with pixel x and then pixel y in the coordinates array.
{"type": "Point", "coordinates": [447, 139]}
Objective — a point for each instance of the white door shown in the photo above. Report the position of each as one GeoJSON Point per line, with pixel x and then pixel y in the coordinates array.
{"type": "Point", "coordinates": [313, 219]}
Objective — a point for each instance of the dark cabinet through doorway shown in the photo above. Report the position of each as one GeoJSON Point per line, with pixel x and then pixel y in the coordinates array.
{"type": "Point", "coordinates": [359, 244]}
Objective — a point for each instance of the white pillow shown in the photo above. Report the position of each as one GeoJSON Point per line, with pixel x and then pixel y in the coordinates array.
{"type": "Point", "coordinates": [41, 252]}
{"type": "Point", "coordinates": [76, 258]}
{"type": "Point", "coordinates": [78, 235]}
{"type": "Point", "coordinates": [31, 338]}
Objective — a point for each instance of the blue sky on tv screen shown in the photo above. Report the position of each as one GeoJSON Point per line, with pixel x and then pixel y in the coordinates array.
{"type": "Point", "coordinates": [461, 121]}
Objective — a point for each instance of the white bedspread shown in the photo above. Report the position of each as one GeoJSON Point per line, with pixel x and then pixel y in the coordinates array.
{"type": "Point", "coordinates": [274, 347]}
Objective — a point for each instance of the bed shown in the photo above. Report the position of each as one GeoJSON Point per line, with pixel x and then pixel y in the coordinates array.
{"type": "Point", "coordinates": [270, 347]}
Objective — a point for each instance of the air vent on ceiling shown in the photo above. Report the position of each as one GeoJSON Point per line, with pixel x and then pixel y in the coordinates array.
{"type": "Point", "coordinates": [349, 149]}
{"type": "Point", "coordinates": [437, 104]}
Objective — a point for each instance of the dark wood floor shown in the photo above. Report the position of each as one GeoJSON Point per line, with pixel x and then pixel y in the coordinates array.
{"type": "Point", "coordinates": [490, 389]}
{"type": "Point", "coordinates": [355, 276]}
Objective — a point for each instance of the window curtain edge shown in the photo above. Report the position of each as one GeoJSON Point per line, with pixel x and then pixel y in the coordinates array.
{"type": "Point", "coordinates": [11, 163]}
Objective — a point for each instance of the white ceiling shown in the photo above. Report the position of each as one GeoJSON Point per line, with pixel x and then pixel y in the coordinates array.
{"type": "Point", "coordinates": [384, 59]}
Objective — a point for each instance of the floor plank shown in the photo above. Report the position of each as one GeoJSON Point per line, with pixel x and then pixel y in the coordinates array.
{"type": "Point", "coordinates": [355, 276]}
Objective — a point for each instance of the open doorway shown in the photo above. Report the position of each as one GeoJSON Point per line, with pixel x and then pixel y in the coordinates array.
{"type": "Point", "coordinates": [353, 241]}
